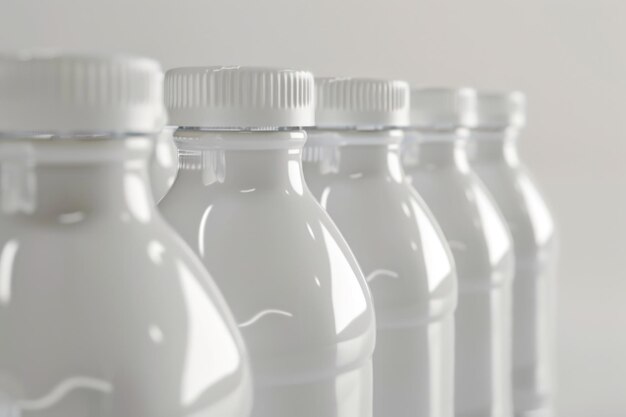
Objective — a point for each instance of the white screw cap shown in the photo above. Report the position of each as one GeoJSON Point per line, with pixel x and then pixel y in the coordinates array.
{"type": "Point", "coordinates": [499, 110]}
{"type": "Point", "coordinates": [239, 97]}
{"type": "Point", "coordinates": [80, 93]}
{"type": "Point", "coordinates": [443, 108]}
{"type": "Point", "coordinates": [361, 103]}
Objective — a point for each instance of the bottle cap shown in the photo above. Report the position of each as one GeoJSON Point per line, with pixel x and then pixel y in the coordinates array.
{"type": "Point", "coordinates": [361, 103]}
{"type": "Point", "coordinates": [80, 93]}
{"type": "Point", "coordinates": [443, 108]}
{"type": "Point", "coordinates": [239, 97]}
{"type": "Point", "coordinates": [496, 110]}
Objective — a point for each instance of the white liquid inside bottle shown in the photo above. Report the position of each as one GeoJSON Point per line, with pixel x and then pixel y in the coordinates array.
{"type": "Point", "coordinates": [240, 201]}
{"type": "Point", "coordinates": [103, 309]}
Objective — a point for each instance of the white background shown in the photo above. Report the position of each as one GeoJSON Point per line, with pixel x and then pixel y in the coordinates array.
{"type": "Point", "coordinates": [568, 55]}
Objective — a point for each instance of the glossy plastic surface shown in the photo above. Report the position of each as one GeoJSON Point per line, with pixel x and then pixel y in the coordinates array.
{"type": "Point", "coordinates": [104, 311]}
{"type": "Point", "coordinates": [436, 165]}
{"type": "Point", "coordinates": [294, 286]}
{"type": "Point", "coordinates": [163, 164]}
{"type": "Point", "coordinates": [495, 159]}
{"type": "Point", "coordinates": [359, 180]}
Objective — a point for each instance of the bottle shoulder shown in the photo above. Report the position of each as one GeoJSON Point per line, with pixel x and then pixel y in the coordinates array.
{"type": "Point", "coordinates": [85, 287]}
{"type": "Point", "coordinates": [163, 164]}
{"type": "Point", "coordinates": [286, 272]}
{"type": "Point", "coordinates": [524, 207]}
{"type": "Point", "coordinates": [476, 230]}
{"type": "Point", "coordinates": [399, 246]}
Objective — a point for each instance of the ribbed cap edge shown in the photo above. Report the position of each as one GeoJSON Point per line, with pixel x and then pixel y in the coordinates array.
{"type": "Point", "coordinates": [246, 97]}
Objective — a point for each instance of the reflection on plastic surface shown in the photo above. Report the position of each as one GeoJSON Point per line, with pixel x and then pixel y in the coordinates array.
{"type": "Point", "coordinates": [139, 204]}
{"type": "Point", "coordinates": [324, 197]}
{"type": "Point", "coordinates": [155, 251]}
{"type": "Point", "coordinates": [460, 158]}
{"type": "Point", "coordinates": [381, 273]}
{"type": "Point", "coordinates": [163, 164]}
{"type": "Point", "coordinates": [156, 334]}
{"type": "Point", "coordinates": [72, 217]}
{"type": "Point", "coordinates": [295, 176]}
{"type": "Point", "coordinates": [202, 230]}
{"type": "Point", "coordinates": [62, 389]}
{"type": "Point", "coordinates": [7, 258]}
{"type": "Point", "coordinates": [268, 312]}
{"type": "Point", "coordinates": [394, 164]}
{"type": "Point", "coordinates": [213, 166]}
{"type": "Point", "coordinates": [497, 236]}
{"type": "Point", "coordinates": [438, 266]}
{"type": "Point", "coordinates": [344, 286]}
{"type": "Point", "coordinates": [202, 370]}
{"type": "Point", "coordinates": [537, 211]}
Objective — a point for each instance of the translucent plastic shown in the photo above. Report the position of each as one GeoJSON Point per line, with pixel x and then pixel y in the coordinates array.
{"type": "Point", "coordinates": [104, 311]}
{"type": "Point", "coordinates": [358, 178]}
{"type": "Point", "coordinates": [494, 158]}
{"type": "Point", "coordinates": [436, 165]}
{"type": "Point", "coordinates": [296, 291]}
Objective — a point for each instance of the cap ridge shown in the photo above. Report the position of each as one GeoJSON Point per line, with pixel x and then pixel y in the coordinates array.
{"type": "Point", "coordinates": [86, 92]}
{"type": "Point", "coordinates": [361, 102]}
{"type": "Point", "coordinates": [284, 95]}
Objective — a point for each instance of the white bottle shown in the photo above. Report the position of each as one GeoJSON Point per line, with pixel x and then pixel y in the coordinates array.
{"type": "Point", "coordinates": [353, 165]}
{"type": "Point", "coordinates": [435, 162]}
{"type": "Point", "coordinates": [494, 157]}
{"type": "Point", "coordinates": [163, 163]}
{"type": "Point", "coordinates": [240, 199]}
{"type": "Point", "coordinates": [104, 311]}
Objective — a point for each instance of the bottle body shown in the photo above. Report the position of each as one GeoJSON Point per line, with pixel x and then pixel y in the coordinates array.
{"type": "Point", "coordinates": [436, 166]}
{"type": "Point", "coordinates": [91, 326]}
{"type": "Point", "coordinates": [297, 294]}
{"type": "Point", "coordinates": [494, 158]}
{"type": "Point", "coordinates": [358, 179]}
{"type": "Point", "coordinates": [163, 164]}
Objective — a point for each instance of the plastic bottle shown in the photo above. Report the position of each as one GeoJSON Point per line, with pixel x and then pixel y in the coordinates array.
{"type": "Point", "coordinates": [104, 311]}
{"type": "Point", "coordinates": [240, 199]}
{"type": "Point", "coordinates": [494, 157]}
{"type": "Point", "coordinates": [436, 164]}
{"type": "Point", "coordinates": [163, 164]}
{"type": "Point", "coordinates": [353, 166]}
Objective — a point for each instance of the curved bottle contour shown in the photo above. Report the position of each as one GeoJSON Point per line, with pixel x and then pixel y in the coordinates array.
{"type": "Point", "coordinates": [163, 164]}
{"type": "Point", "coordinates": [103, 309]}
{"type": "Point", "coordinates": [436, 165]}
{"type": "Point", "coordinates": [291, 281]}
{"type": "Point", "coordinates": [358, 179]}
{"type": "Point", "coordinates": [493, 156]}
{"type": "Point", "coordinates": [394, 236]}
{"type": "Point", "coordinates": [495, 160]}
{"type": "Point", "coordinates": [471, 221]}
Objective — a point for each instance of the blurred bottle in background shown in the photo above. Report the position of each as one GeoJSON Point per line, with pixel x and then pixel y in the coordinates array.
{"type": "Point", "coordinates": [494, 157]}
{"type": "Point", "coordinates": [104, 311]}
{"type": "Point", "coordinates": [352, 165]}
{"type": "Point", "coordinates": [240, 200]}
{"type": "Point", "coordinates": [436, 164]}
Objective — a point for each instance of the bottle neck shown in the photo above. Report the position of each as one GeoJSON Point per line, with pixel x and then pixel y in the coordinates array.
{"type": "Point", "coordinates": [362, 153]}
{"type": "Point", "coordinates": [73, 177]}
{"type": "Point", "coordinates": [496, 146]}
{"type": "Point", "coordinates": [436, 149]}
{"type": "Point", "coordinates": [242, 160]}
